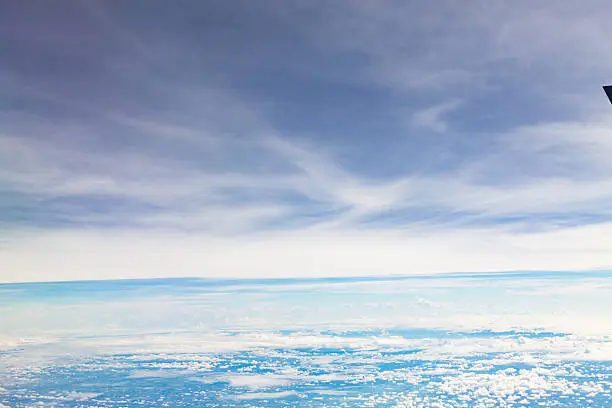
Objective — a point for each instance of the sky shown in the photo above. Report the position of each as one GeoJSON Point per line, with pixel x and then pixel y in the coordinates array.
{"type": "Point", "coordinates": [305, 138]}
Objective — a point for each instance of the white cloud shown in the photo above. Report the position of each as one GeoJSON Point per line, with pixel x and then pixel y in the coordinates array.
{"type": "Point", "coordinates": [433, 117]}
{"type": "Point", "coordinates": [69, 255]}
{"type": "Point", "coordinates": [185, 236]}
{"type": "Point", "coordinates": [265, 395]}
{"type": "Point", "coordinates": [258, 381]}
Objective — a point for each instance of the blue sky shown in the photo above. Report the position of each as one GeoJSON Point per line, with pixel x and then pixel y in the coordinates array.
{"type": "Point", "coordinates": [308, 138]}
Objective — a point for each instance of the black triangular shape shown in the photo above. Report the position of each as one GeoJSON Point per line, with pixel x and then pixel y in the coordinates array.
{"type": "Point", "coordinates": [608, 90]}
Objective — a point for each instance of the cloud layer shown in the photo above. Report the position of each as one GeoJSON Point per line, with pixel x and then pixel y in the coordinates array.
{"type": "Point", "coordinates": [319, 138]}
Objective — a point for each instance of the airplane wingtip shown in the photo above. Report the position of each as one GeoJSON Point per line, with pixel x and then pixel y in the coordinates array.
{"type": "Point", "coordinates": [608, 90]}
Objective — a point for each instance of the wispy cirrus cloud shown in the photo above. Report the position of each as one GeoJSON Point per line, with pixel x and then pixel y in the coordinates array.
{"type": "Point", "coordinates": [383, 137]}
{"type": "Point", "coordinates": [433, 117]}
